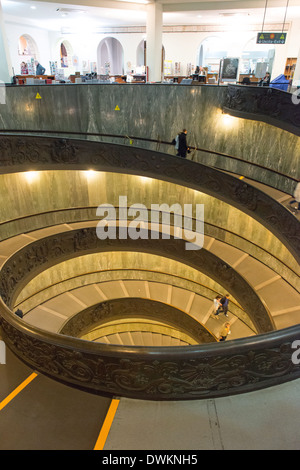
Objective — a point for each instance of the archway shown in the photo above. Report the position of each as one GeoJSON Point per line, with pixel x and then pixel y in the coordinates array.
{"type": "Point", "coordinates": [141, 55]}
{"type": "Point", "coordinates": [110, 57]}
{"type": "Point", "coordinates": [29, 53]}
{"type": "Point", "coordinates": [210, 52]}
{"type": "Point", "coordinates": [65, 54]}
{"type": "Point", "coordinates": [257, 58]}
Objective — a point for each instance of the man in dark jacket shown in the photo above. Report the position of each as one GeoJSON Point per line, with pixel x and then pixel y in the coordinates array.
{"type": "Point", "coordinates": [40, 70]}
{"type": "Point", "coordinates": [182, 145]}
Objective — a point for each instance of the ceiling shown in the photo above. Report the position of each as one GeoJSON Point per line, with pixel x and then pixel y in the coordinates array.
{"type": "Point", "coordinates": [102, 13]}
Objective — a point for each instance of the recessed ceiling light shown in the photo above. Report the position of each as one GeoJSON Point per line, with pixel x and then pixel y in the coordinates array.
{"type": "Point", "coordinates": [228, 15]}
{"type": "Point", "coordinates": [145, 2]}
{"type": "Point", "coordinates": [70, 10]}
{"type": "Point", "coordinates": [33, 7]}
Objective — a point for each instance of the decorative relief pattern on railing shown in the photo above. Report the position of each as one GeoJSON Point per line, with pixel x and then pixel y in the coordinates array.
{"type": "Point", "coordinates": [270, 105]}
{"type": "Point", "coordinates": [149, 373]}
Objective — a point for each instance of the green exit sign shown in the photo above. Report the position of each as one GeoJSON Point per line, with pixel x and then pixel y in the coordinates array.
{"type": "Point", "coordinates": [271, 38]}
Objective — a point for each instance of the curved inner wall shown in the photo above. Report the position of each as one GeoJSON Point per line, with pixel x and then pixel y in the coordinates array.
{"type": "Point", "coordinates": [72, 197]}
{"type": "Point", "coordinates": [49, 191]}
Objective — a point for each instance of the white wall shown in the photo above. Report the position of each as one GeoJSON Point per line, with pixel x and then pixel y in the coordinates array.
{"type": "Point", "coordinates": [5, 63]}
{"type": "Point", "coordinates": [40, 36]}
{"type": "Point", "coordinates": [85, 47]}
{"type": "Point", "coordinates": [179, 47]}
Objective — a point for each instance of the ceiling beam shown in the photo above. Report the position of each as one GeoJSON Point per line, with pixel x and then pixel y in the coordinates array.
{"type": "Point", "coordinates": [113, 4]}
{"type": "Point", "coordinates": [176, 6]}
{"type": "Point", "coordinates": [232, 4]}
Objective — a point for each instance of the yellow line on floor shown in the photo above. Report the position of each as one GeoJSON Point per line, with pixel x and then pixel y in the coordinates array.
{"type": "Point", "coordinates": [13, 394]}
{"type": "Point", "coordinates": [107, 425]}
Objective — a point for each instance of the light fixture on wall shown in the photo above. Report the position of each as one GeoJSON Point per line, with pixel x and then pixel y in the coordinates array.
{"type": "Point", "coordinates": [31, 176]}
{"type": "Point", "coordinates": [89, 174]}
{"type": "Point", "coordinates": [227, 120]}
{"type": "Point", "coordinates": [145, 179]}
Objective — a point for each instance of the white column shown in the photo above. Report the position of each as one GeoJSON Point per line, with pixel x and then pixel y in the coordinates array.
{"type": "Point", "coordinates": [296, 78]}
{"type": "Point", "coordinates": [5, 63]}
{"type": "Point", "coordinates": [154, 41]}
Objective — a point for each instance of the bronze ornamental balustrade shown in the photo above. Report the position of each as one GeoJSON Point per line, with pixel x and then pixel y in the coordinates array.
{"type": "Point", "coordinates": [192, 372]}
{"type": "Point", "coordinates": [209, 370]}
{"type": "Point", "coordinates": [270, 105]}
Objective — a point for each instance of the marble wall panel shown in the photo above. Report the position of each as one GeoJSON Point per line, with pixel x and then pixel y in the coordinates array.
{"type": "Point", "coordinates": [154, 111]}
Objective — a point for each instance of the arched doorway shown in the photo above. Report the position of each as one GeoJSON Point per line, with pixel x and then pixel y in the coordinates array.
{"type": "Point", "coordinates": [141, 55]}
{"type": "Point", "coordinates": [28, 53]}
{"type": "Point", "coordinates": [110, 57]}
{"type": "Point", "coordinates": [210, 52]}
{"type": "Point", "coordinates": [65, 54]}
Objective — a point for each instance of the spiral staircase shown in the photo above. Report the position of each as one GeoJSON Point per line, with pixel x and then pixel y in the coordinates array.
{"type": "Point", "coordinates": [132, 319]}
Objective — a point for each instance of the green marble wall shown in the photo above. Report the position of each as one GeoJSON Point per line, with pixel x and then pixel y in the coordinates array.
{"type": "Point", "coordinates": [158, 112]}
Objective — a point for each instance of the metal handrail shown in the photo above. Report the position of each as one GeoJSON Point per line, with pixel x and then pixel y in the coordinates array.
{"type": "Point", "coordinates": [34, 132]}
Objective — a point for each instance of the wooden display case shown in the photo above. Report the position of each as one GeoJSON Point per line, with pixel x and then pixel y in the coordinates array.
{"type": "Point", "coordinates": [290, 67]}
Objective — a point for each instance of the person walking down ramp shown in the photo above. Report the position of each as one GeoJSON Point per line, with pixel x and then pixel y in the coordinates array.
{"type": "Point", "coordinates": [225, 331]}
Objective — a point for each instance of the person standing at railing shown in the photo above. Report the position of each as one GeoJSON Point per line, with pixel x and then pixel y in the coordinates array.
{"type": "Point", "coordinates": [182, 144]}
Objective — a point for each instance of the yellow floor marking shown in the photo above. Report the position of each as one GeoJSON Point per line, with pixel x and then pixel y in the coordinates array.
{"type": "Point", "coordinates": [12, 395]}
{"type": "Point", "coordinates": [107, 425]}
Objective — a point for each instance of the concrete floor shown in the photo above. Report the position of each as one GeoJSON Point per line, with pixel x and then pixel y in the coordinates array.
{"type": "Point", "coordinates": [263, 420]}
{"type": "Point", "coordinates": [47, 415]}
